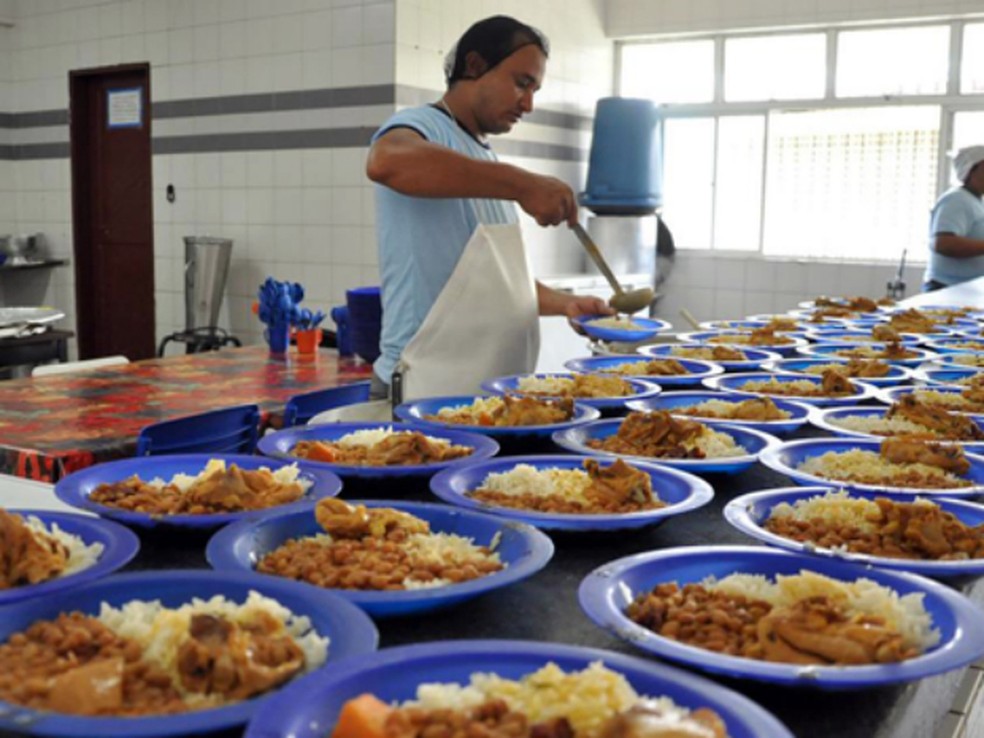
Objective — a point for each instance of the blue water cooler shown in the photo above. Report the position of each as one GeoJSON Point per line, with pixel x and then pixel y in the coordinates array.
{"type": "Point", "coordinates": [625, 186]}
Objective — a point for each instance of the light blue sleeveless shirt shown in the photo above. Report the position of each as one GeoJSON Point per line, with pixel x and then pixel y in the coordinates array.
{"type": "Point", "coordinates": [961, 213]}
{"type": "Point", "coordinates": [421, 239]}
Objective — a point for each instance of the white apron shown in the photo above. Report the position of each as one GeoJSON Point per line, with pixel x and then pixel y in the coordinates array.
{"type": "Point", "coordinates": [484, 323]}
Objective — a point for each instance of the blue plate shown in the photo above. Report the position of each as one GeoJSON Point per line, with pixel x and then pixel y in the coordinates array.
{"type": "Point", "coordinates": [834, 349]}
{"type": "Point", "coordinates": [640, 388]}
{"type": "Point", "coordinates": [825, 419]}
{"type": "Point", "coordinates": [120, 545]}
{"type": "Point", "coordinates": [787, 457]}
{"type": "Point", "coordinates": [783, 349]}
{"type": "Point", "coordinates": [894, 394]}
{"type": "Point", "coordinates": [960, 360]}
{"type": "Point", "coordinates": [310, 708]}
{"type": "Point", "coordinates": [351, 631]}
{"type": "Point", "coordinates": [525, 549]}
{"type": "Point", "coordinates": [748, 513]}
{"type": "Point", "coordinates": [681, 491]}
{"type": "Point", "coordinates": [755, 357]}
{"type": "Point", "coordinates": [974, 313]}
{"type": "Point", "coordinates": [852, 337]}
{"type": "Point", "coordinates": [671, 400]}
{"type": "Point", "coordinates": [697, 369]}
{"type": "Point", "coordinates": [75, 489]}
{"type": "Point", "coordinates": [279, 445]}
{"type": "Point", "coordinates": [414, 412]}
{"type": "Point", "coordinates": [950, 375]}
{"type": "Point", "coordinates": [957, 345]}
{"type": "Point", "coordinates": [733, 383]}
{"type": "Point", "coordinates": [606, 592]}
{"type": "Point", "coordinates": [803, 317]}
{"type": "Point", "coordinates": [896, 374]}
{"type": "Point", "coordinates": [649, 327]}
{"type": "Point", "coordinates": [753, 441]}
{"type": "Point", "coordinates": [746, 324]}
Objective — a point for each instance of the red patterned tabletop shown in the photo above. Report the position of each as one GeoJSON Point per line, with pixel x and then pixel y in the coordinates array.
{"type": "Point", "coordinates": [52, 426]}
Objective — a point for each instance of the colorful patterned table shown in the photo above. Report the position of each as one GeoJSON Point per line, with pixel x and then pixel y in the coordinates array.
{"type": "Point", "coordinates": [52, 426]}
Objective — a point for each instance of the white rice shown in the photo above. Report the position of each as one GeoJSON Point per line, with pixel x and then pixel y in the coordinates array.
{"type": "Point", "coordinates": [904, 614]}
{"type": "Point", "coordinates": [846, 465]}
{"type": "Point", "coordinates": [160, 630]}
{"type": "Point", "coordinates": [801, 387]}
{"type": "Point", "coordinates": [546, 385]}
{"type": "Point", "coordinates": [969, 359]}
{"type": "Point", "coordinates": [183, 482]}
{"type": "Point", "coordinates": [369, 437]}
{"type": "Point", "coordinates": [481, 406]}
{"type": "Point", "coordinates": [527, 479]}
{"type": "Point", "coordinates": [586, 698]}
{"type": "Point", "coordinates": [80, 555]}
{"type": "Point", "coordinates": [953, 400]}
{"type": "Point", "coordinates": [879, 425]}
{"type": "Point", "coordinates": [836, 508]}
{"type": "Point", "coordinates": [618, 321]}
{"type": "Point", "coordinates": [716, 444]}
{"type": "Point", "coordinates": [719, 409]}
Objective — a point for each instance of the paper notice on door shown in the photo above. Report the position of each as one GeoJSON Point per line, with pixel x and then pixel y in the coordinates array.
{"type": "Point", "coordinates": [124, 108]}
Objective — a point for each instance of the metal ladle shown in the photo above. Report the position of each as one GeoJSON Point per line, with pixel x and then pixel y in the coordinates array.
{"type": "Point", "coordinates": [622, 301]}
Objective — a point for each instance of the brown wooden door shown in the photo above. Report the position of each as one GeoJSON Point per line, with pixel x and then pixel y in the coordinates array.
{"type": "Point", "coordinates": [113, 211]}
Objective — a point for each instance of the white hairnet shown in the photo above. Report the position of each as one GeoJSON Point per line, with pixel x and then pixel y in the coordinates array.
{"type": "Point", "coordinates": [965, 159]}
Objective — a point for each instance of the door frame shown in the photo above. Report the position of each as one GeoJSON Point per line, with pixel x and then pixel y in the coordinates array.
{"type": "Point", "coordinates": [81, 195]}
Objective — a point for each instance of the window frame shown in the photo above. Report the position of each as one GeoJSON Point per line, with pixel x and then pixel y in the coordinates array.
{"type": "Point", "coordinates": [950, 103]}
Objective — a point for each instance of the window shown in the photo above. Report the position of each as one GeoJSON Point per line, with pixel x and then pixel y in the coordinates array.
{"type": "Point", "coordinates": [972, 66]}
{"type": "Point", "coordinates": [968, 129]}
{"type": "Point", "coordinates": [751, 72]}
{"type": "Point", "coordinates": [680, 72]}
{"type": "Point", "coordinates": [738, 185]}
{"type": "Point", "coordinates": [689, 165]}
{"type": "Point", "coordinates": [850, 183]}
{"type": "Point", "coordinates": [896, 61]}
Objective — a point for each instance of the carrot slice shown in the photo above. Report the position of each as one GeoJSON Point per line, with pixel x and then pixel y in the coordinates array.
{"type": "Point", "coordinates": [321, 452]}
{"type": "Point", "coordinates": [362, 717]}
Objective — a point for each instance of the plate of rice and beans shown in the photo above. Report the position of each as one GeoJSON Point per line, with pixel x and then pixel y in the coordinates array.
{"type": "Point", "coordinates": [776, 416]}
{"type": "Point", "coordinates": [193, 490]}
{"type": "Point", "coordinates": [602, 391]}
{"type": "Point", "coordinates": [167, 652]}
{"type": "Point", "coordinates": [936, 538]}
{"type": "Point", "coordinates": [875, 372]}
{"type": "Point", "coordinates": [623, 328]}
{"type": "Point", "coordinates": [783, 617]}
{"type": "Point", "coordinates": [376, 450]}
{"type": "Point", "coordinates": [678, 442]}
{"type": "Point", "coordinates": [42, 552]}
{"type": "Point", "coordinates": [499, 417]}
{"type": "Point", "coordinates": [892, 465]}
{"type": "Point", "coordinates": [957, 345]}
{"type": "Point", "coordinates": [520, 689]}
{"type": "Point", "coordinates": [730, 358]}
{"type": "Point", "coordinates": [951, 376]}
{"type": "Point", "coordinates": [387, 557]}
{"type": "Point", "coordinates": [576, 493]}
{"type": "Point", "coordinates": [830, 388]}
{"type": "Point", "coordinates": [907, 417]}
{"type": "Point", "coordinates": [893, 353]}
{"type": "Point", "coordinates": [762, 338]}
{"type": "Point", "coordinates": [666, 371]}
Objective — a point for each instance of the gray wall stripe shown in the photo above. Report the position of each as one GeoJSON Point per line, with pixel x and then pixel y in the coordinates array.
{"type": "Point", "coordinates": [319, 139]}
{"type": "Point", "coordinates": [39, 151]}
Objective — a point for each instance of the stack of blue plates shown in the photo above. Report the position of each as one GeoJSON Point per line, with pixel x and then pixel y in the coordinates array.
{"type": "Point", "coordinates": [365, 313]}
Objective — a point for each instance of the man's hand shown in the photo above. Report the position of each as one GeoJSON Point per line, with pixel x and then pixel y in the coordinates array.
{"type": "Point", "coordinates": [549, 200]}
{"type": "Point", "coordinates": [580, 305]}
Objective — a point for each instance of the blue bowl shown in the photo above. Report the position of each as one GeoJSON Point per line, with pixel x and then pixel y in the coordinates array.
{"type": "Point", "coordinates": [279, 445]}
{"type": "Point", "coordinates": [75, 489]}
{"type": "Point", "coordinates": [606, 592]}
{"type": "Point", "coordinates": [957, 345]}
{"type": "Point", "coordinates": [787, 457]}
{"type": "Point", "coordinates": [671, 400]}
{"type": "Point", "coordinates": [310, 708]}
{"type": "Point", "coordinates": [120, 545]}
{"type": "Point", "coordinates": [783, 349]}
{"type": "Point", "coordinates": [755, 357]}
{"type": "Point", "coordinates": [640, 388]}
{"type": "Point", "coordinates": [733, 383]}
{"type": "Point", "coordinates": [415, 412]}
{"type": "Point", "coordinates": [894, 394]}
{"type": "Point", "coordinates": [697, 369]}
{"type": "Point", "coordinates": [681, 491]}
{"type": "Point", "coordinates": [753, 441]}
{"type": "Point", "coordinates": [649, 327]}
{"type": "Point", "coordinates": [834, 349]}
{"type": "Point", "coordinates": [750, 323]}
{"type": "Point", "coordinates": [351, 632]}
{"type": "Point", "coordinates": [748, 513]}
{"type": "Point", "coordinates": [526, 550]}
{"type": "Point", "coordinates": [949, 376]}
{"type": "Point", "coordinates": [896, 374]}
{"type": "Point", "coordinates": [825, 419]}
{"type": "Point", "coordinates": [854, 337]}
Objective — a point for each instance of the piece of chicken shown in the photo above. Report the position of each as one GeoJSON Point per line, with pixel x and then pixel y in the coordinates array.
{"type": "Point", "coordinates": [835, 383]}
{"type": "Point", "coordinates": [618, 483]}
{"type": "Point", "coordinates": [902, 450]}
{"type": "Point", "coordinates": [341, 520]}
{"type": "Point", "coordinates": [26, 557]}
{"type": "Point", "coordinates": [885, 333]}
{"type": "Point", "coordinates": [648, 719]}
{"type": "Point", "coordinates": [947, 424]}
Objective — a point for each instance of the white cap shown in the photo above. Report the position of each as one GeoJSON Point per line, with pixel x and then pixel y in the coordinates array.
{"type": "Point", "coordinates": [965, 159]}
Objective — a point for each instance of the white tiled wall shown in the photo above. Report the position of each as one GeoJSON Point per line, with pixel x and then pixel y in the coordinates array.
{"type": "Point", "coordinates": [626, 18]}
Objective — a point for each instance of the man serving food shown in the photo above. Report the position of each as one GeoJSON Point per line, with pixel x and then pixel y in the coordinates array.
{"type": "Point", "coordinates": [459, 303]}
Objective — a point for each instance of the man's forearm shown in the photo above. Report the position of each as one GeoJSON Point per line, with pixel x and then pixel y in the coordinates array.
{"type": "Point", "coordinates": [550, 301]}
{"type": "Point", "coordinates": [958, 247]}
